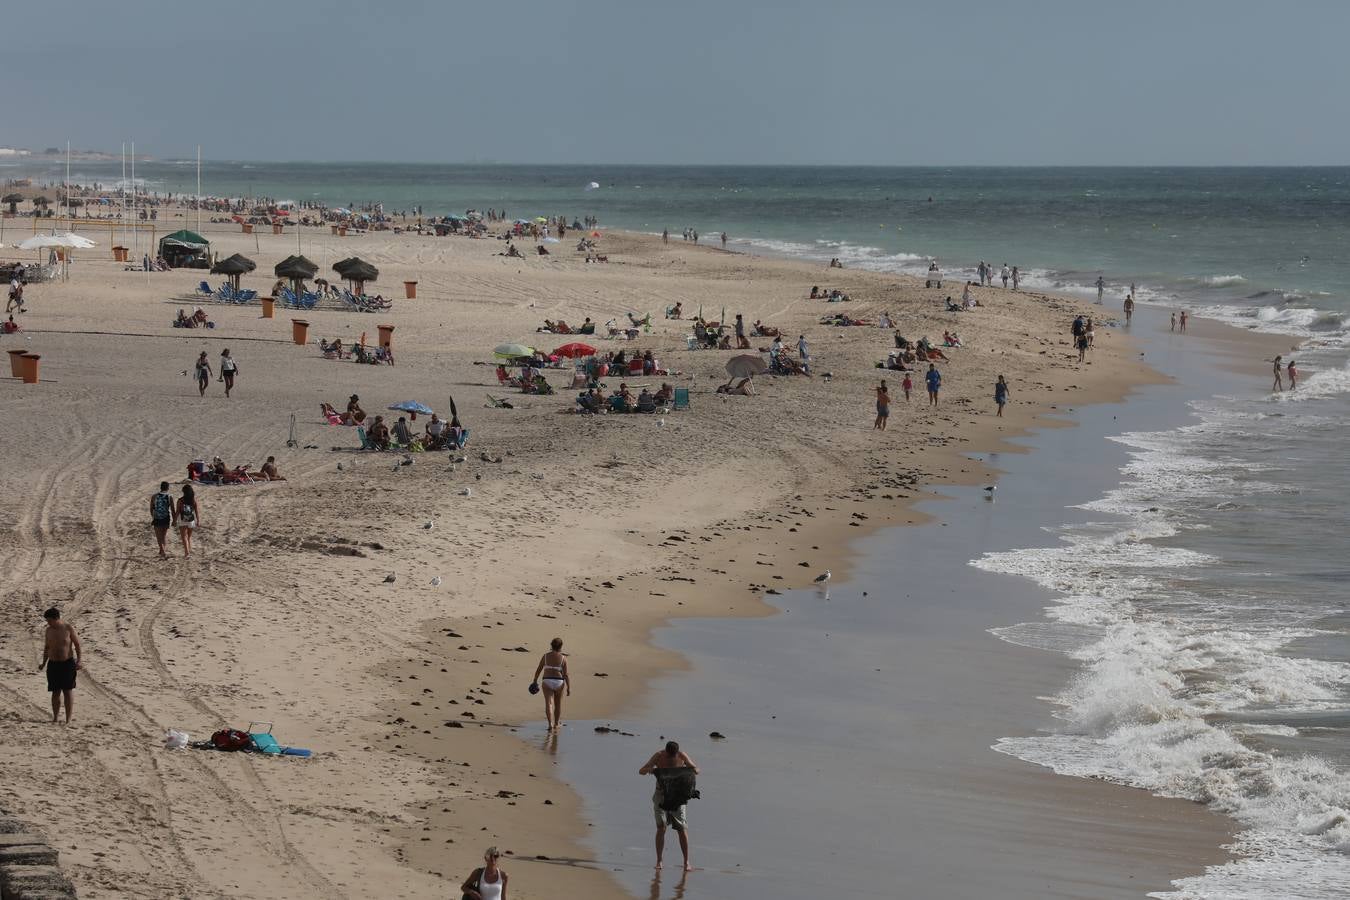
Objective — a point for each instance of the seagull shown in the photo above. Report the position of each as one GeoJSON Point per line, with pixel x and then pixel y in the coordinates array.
{"type": "Point", "coordinates": [467, 492]}
{"type": "Point", "coordinates": [397, 466]}
{"type": "Point", "coordinates": [823, 579]}
{"type": "Point", "coordinates": [436, 582]}
{"type": "Point", "coordinates": [431, 523]}
{"type": "Point", "coordinates": [339, 467]}
{"type": "Point", "coordinates": [991, 488]}
{"type": "Point", "coordinates": [390, 578]}
{"type": "Point", "coordinates": [660, 423]}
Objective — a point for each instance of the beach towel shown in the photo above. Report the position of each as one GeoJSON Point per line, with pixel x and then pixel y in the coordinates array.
{"type": "Point", "coordinates": [677, 786]}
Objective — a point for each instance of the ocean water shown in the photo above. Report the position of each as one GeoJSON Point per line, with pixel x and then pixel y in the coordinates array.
{"type": "Point", "coordinates": [1203, 599]}
{"type": "Point", "coordinates": [1257, 246]}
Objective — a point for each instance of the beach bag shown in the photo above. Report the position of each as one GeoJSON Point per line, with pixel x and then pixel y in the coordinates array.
{"type": "Point", "coordinates": [477, 879]}
{"type": "Point", "coordinates": [231, 739]}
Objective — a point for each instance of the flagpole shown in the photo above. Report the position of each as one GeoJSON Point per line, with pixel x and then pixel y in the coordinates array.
{"type": "Point", "coordinates": [199, 188]}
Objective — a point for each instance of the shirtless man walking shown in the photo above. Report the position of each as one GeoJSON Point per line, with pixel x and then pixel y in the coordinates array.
{"type": "Point", "coordinates": [672, 757]}
{"type": "Point", "coordinates": [61, 658]}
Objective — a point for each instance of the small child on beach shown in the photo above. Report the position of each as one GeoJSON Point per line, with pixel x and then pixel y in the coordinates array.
{"type": "Point", "coordinates": [907, 385]}
{"type": "Point", "coordinates": [1001, 395]}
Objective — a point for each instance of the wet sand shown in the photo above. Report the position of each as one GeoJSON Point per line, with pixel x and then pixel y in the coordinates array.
{"type": "Point", "coordinates": [859, 725]}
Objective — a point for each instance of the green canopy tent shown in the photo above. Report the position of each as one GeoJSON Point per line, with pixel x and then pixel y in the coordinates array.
{"type": "Point", "coordinates": [185, 250]}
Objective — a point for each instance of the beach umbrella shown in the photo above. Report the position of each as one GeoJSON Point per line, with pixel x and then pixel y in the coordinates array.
{"type": "Point", "coordinates": [746, 366]}
{"type": "Point", "coordinates": [575, 350]}
{"type": "Point", "coordinates": [512, 351]}
{"type": "Point", "coordinates": [234, 266]}
{"type": "Point", "coordinates": [541, 219]}
{"type": "Point", "coordinates": [13, 200]}
{"type": "Point", "coordinates": [413, 407]}
{"type": "Point", "coordinates": [295, 269]}
{"type": "Point", "coordinates": [454, 415]}
{"type": "Point", "coordinates": [65, 239]}
{"type": "Point", "coordinates": [41, 201]}
{"type": "Point", "coordinates": [357, 271]}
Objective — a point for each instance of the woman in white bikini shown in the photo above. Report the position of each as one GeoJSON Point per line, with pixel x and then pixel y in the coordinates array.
{"type": "Point", "coordinates": [487, 882]}
{"type": "Point", "coordinates": [553, 667]}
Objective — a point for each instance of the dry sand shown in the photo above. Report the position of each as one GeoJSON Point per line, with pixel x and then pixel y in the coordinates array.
{"type": "Point", "coordinates": [592, 528]}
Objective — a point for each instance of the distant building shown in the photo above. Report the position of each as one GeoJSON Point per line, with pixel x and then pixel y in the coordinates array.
{"type": "Point", "coordinates": [11, 151]}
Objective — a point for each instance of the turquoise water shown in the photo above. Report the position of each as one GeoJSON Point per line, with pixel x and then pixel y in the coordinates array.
{"type": "Point", "coordinates": [1253, 244]}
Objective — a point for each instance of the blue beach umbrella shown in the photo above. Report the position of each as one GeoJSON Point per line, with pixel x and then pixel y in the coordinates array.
{"type": "Point", "coordinates": [412, 406]}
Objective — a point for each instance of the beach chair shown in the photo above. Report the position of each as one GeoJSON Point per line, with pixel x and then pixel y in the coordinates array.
{"type": "Point", "coordinates": [681, 399]}
{"type": "Point", "coordinates": [265, 742]}
{"type": "Point", "coordinates": [205, 290]}
{"type": "Point", "coordinates": [618, 404]}
{"type": "Point", "coordinates": [245, 296]}
{"type": "Point", "coordinates": [364, 439]}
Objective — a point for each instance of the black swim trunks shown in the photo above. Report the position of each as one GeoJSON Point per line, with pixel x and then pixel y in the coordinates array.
{"type": "Point", "coordinates": [61, 675]}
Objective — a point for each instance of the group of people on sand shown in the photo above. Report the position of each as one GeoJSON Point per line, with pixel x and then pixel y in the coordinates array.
{"type": "Point", "coordinates": [829, 295]}
{"type": "Point", "coordinates": [561, 327]}
{"type": "Point", "coordinates": [229, 368]}
{"type": "Point", "coordinates": [623, 400]}
{"type": "Point", "coordinates": [438, 434]}
{"type": "Point", "coordinates": [197, 319]}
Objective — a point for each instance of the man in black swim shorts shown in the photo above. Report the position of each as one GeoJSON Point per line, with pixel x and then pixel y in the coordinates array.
{"type": "Point", "coordinates": [61, 658]}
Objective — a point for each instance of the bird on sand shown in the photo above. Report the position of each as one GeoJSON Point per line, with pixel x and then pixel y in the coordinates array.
{"type": "Point", "coordinates": [390, 578]}
{"type": "Point", "coordinates": [436, 582]}
{"type": "Point", "coordinates": [430, 524]}
{"type": "Point", "coordinates": [823, 579]}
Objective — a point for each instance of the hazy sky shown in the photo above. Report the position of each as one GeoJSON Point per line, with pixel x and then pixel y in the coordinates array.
{"type": "Point", "coordinates": [724, 81]}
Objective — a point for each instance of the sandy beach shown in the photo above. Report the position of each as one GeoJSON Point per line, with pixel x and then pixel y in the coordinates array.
{"type": "Point", "coordinates": [598, 529]}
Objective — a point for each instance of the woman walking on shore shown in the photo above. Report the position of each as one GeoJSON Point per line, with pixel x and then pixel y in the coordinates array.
{"type": "Point", "coordinates": [228, 369]}
{"type": "Point", "coordinates": [1278, 368]}
{"type": "Point", "coordinates": [1001, 395]}
{"type": "Point", "coordinates": [203, 371]}
{"type": "Point", "coordinates": [883, 407]}
{"type": "Point", "coordinates": [553, 667]}
{"type": "Point", "coordinates": [189, 518]}
{"type": "Point", "coordinates": [487, 882]}
{"type": "Point", "coordinates": [934, 379]}
{"type": "Point", "coordinates": [1293, 376]}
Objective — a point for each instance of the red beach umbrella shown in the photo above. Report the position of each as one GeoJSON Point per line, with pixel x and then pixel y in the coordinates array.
{"type": "Point", "coordinates": [575, 350]}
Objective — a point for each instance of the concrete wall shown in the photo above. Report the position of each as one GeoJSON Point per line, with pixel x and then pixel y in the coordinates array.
{"type": "Point", "coordinates": [28, 866]}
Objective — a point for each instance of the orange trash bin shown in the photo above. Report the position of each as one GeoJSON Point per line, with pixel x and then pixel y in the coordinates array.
{"type": "Point", "coordinates": [29, 363]}
{"type": "Point", "coordinates": [16, 362]}
{"type": "Point", "coordinates": [386, 336]}
{"type": "Point", "coordinates": [300, 331]}
{"type": "Point", "coordinates": [342, 230]}
{"type": "Point", "coordinates": [269, 305]}
{"type": "Point", "coordinates": [410, 290]}
{"type": "Point", "coordinates": [334, 227]}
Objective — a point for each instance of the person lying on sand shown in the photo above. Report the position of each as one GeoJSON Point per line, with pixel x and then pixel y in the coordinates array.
{"type": "Point", "coordinates": [268, 471]}
{"type": "Point", "coordinates": [743, 388]}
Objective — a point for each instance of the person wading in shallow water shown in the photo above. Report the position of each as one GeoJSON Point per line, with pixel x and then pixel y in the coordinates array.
{"type": "Point", "coordinates": [553, 667]}
{"type": "Point", "coordinates": [672, 757]}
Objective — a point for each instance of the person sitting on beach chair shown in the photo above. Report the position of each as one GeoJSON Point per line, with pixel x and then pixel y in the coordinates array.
{"type": "Point", "coordinates": [379, 434]}
{"type": "Point", "coordinates": [643, 322]}
{"type": "Point", "coordinates": [950, 339]}
{"type": "Point", "coordinates": [435, 433]}
{"type": "Point", "coordinates": [402, 433]}
{"type": "Point", "coordinates": [666, 395]}
{"type": "Point", "coordinates": [590, 401]}
{"type": "Point", "coordinates": [331, 415]}
{"type": "Point", "coordinates": [646, 402]}
{"type": "Point", "coordinates": [587, 327]}
{"type": "Point", "coordinates": [676, 311]}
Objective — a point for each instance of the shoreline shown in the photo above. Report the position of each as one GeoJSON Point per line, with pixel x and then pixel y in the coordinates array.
{"type": "Point", "coordinates": [613, 522]}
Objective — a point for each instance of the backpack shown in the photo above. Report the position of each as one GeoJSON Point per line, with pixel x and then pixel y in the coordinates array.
{"type": "Point", "coordinates": [231, 739]}
{"type": "Point", "coordinates": [163, 506]}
